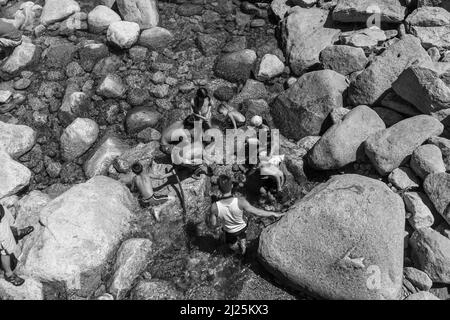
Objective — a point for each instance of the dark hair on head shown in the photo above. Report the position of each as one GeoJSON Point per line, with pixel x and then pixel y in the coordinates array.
{"type": "Point", "coordinates": [2, 212]}
{"type": "Point", "coordinates": [225, 184]}
{"type": "Point", "coordinates": [199, 99]}
{"type": "Point", "coordinates": [137, 168]}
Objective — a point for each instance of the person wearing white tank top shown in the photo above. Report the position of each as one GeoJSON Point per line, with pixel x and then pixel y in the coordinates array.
{"type": "Point", "coordinates": [229, 211]}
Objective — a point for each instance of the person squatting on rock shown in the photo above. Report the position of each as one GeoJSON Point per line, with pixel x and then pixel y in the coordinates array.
{"type": "Point", "coordinates": [142, 182]}
{"type": "Point", "coordinates": [178, 133]}
{"type": "Point", "coordinates": [10, 37]}
{"type": "Point", "coordinates": [229, 211]}
{"type": "Point", "coordinates": [236, 118]}
{"type": "Point", "coordinates": [9, 237]}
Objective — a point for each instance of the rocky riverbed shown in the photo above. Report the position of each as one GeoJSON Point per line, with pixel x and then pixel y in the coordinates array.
{"type": "Point", "coordinates": [358, 89]}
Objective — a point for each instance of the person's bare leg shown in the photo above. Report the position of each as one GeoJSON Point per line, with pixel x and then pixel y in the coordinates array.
{"type": "Point", "coordinates": [243, 246]}
{"type": "Point", "coordinates": [6, 264]}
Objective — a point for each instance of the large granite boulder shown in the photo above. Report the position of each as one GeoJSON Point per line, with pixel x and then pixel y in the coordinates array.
{"type": "Point", "coordinates": [304, 37]}
{"type": "Point", "coordinates": [390, 148]}
{"type": "Point", "coordinates": [132, 259]}
{"type": "Point", "coordinates": [82, 228]}
{"type": "Point", "coordinates": [344, 240]}
{"type": "Point", "coordinates": [423, 88]}
{"type": "Point", "coordinates": [431, 25]}
{"type": "Point", "coordinates": [375, 81]}
{"type": "Point", "coordinates": [301, 110]}
{"type": "Point", "coordinates": [341, 144]}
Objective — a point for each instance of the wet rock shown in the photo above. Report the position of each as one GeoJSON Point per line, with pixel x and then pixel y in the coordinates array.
{"type": "Point", "coordinates": [58, 10]}
{"type": "Point", "coordinates": [258, 288]}
{"type": "Point", "coordinates": [236, 66]}
{"type": "Point", "coordinates": [370, 85]}
{"type": "Point", "coordinates": [22, 57]}
{"type": "Point", "coordinates": [422, 295]}
{"type": "Point", "coordinates": [112, 86]}
{"type": "Point", "coordinates": [444, 145]}
{"type": "Point", "coordinates": [304, 37]}
{"type": "Point", "coordinates": [210, 44]}
{"type": "Point", "coordinates": [16, 140]}
{"type": "Point", "coordinates": [59, 53]}
{"type": "Point", "coordinates": [298, 249]}
{"type": "Point", "coordinates": [140, 118]}
{"type": "Point", "coordinates": [156, 38]}
{"type": "Point", "coordinates": [155, 290]}
{"type": "Point", "coordinates": [431, 25]}
{"type": "Point", "coordinates": [430, 252]}
{"type": "Point", "coordinates": [100, 18]}
{"type": "Point", "coordinates": [76, 241]}
{"type": "Point", "coordinates": [423, 88]}
{"type": "Point", "coordinates": [270, 67]}
{"type": "Point", "coordinates": [149, 134]}
{"type": "Point", "coordinates": [434, 3]}
{"type": "Point", "coordinates": [14, 176]}
{"type": "Point", "coordinates": [418, 206]}
{"type": "Point", "coordinates": [390, 11]}
{"type": "Point", "coordinates": [78, 137]}
{"type": "Point", "coordinates": [341, 144]}
{"type": "Point", "coordinates": [224, 93]}
{"type": "Point", "coordinates": [188, 10]}
{"type": "Point", "coordinates": [427, 159]}
{"type": "Point", "coordinates": [123, 34]}
{"type": "Point", "coordinates": [108, 149]}
{"type": "Point", "coordinates": [437, 187]}
{"type": "Point", "coordinates": [91, 53]}
{"type": "Point", "coordinates": [301, 110]}
{"type": "Point", "coordinates": [390, 148]}
{"type": "Point", "coordinates": [132, 259]}
{"type": "Point", "coordinates": [343, 59]}
{"type": "Point", "coordinates": [252, 90]}
{"type": "Point", "coordinates": [143, 12]}
{"type": "Point", "coordinates": [418, 279]}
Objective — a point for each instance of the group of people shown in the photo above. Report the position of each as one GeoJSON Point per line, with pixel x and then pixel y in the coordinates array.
{"type": "Point", "coordinates": [228, 211]}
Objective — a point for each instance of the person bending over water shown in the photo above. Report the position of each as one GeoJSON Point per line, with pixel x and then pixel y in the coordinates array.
{"type": "Point", "coordinates": [229, 211]}
{"type": "Point", "coordinates": [143, 183]}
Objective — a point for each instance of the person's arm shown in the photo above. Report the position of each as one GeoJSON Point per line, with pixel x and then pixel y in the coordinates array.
{"type": "Point", "coordinates": [160, 177]}
{"type": "Point", "coordinates": [211, 218]}
{"type": "Point", "coordinates": [247, 207]}
{"type": "Point", "coordinates": [233, 120]}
